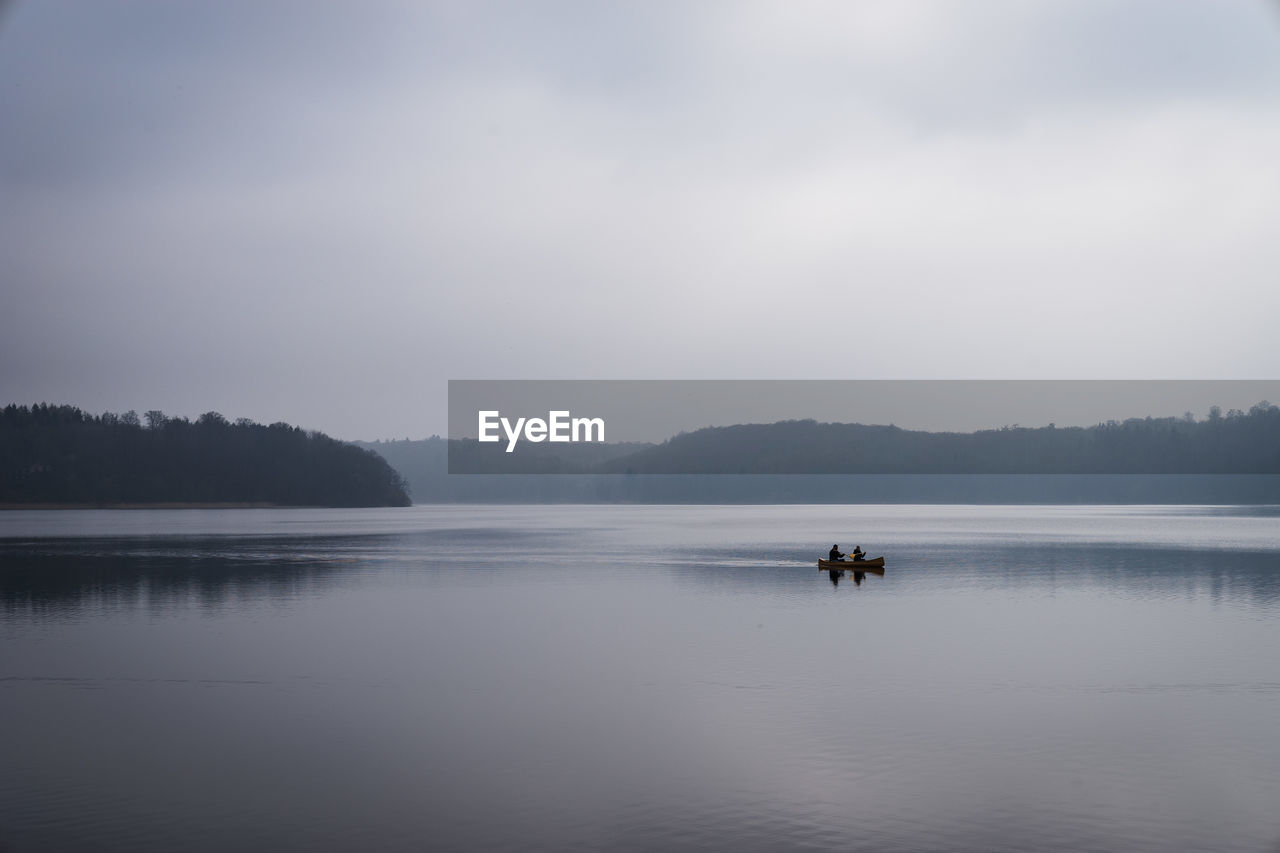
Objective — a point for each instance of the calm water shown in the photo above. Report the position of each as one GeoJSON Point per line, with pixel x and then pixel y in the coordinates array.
{"type": "Point", "coordinates": [630, 677]}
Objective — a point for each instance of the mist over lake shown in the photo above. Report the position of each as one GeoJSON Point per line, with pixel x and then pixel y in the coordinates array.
{"type": "Point", "coordinates": [640, 677]}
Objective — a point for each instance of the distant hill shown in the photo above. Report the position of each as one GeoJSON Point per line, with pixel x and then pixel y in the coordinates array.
{"type": "Point", "coordinates": [62, 455]}
{"type": "Point", "coordinates": [1237, 443]}
{"type": "Point", "coordinates": [1226, 458]}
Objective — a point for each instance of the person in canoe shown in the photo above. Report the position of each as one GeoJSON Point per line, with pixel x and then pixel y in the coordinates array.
{"type": "Point", "coordinates": [858, 554]}
{"type": "Point", "coordinates": [835, 554]}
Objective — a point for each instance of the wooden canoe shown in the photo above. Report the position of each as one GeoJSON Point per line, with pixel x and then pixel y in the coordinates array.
{"type": "Point", "coordinates": [856, 565]}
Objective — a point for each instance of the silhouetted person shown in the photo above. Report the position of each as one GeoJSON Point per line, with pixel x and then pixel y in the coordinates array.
{"type": "Point", "coordinates": [835, 554]}
{"type": "Point", "coordinates": [858, 554]}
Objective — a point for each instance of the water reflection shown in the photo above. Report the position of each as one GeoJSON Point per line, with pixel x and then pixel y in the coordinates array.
{"type": "Point", "coordinates": [858, 576]}
{"type": "Point", "coordinates": [1132, 571]}
{"type": "Point", "coordinates": [63, 577]}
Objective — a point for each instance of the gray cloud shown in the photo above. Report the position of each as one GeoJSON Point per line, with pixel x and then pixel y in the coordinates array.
{"type": "Point", "coordinates": [320, 213]}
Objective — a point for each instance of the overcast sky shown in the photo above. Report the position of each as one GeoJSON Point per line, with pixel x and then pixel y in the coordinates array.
{"type": "Point", "coordinates": [319, 213]}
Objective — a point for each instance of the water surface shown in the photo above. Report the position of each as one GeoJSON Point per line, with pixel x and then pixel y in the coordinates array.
{"type": "Point", "coordinates": [640, 677]}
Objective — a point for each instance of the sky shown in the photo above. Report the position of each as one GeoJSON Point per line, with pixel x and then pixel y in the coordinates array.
{"type": "Point", "coordinates": [320, 213]}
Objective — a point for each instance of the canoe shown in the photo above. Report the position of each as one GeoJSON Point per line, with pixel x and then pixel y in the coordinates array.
{"type": "Point", "coordinates": [856, 565]}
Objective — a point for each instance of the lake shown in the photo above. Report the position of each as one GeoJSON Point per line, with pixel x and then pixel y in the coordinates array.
{"type": "Point", "coordinates": [640, 678]}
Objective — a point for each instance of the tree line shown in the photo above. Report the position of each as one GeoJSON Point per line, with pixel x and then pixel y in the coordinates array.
{"type": "Point", "coordinates": [59, 454]}
{"type": "Point", "coordinates": [1235, 443]}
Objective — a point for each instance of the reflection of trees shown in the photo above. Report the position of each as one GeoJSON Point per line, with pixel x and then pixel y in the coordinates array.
{"type": "Point", "coordinates": [62, 577]}
{"type": "Point", "coordinates": [1144, 571]}
{"type": "Point", "coordinates": [53, 577]}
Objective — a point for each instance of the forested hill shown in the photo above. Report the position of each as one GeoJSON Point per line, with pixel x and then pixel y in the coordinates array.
{"type": "Point", "coordinates": [1235, 443]}
{"type": "Point", "coordinates": [62, 455]}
